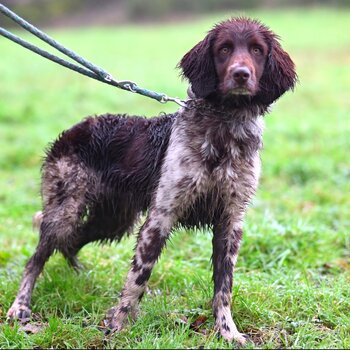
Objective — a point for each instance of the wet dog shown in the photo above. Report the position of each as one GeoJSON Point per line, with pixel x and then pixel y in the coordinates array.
{"type": "Point", "coordinates": [197, 167]}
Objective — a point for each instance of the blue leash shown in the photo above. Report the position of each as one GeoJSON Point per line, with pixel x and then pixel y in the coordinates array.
{"type": "Point", "coordinates": [87, 68]}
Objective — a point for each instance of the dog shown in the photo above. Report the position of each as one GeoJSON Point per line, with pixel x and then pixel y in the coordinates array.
{"type": "Point", "coordinates": [197, 167]}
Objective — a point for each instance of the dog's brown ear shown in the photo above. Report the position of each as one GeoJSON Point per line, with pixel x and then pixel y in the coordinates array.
{"type": "Point", "coordinates": [198, 67]}
{"type": "Point", "coordinates": [279, 74]}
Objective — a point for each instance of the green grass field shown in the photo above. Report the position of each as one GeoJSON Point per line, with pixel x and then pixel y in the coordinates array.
{"type": "Point", "coordinates": [291, 286]}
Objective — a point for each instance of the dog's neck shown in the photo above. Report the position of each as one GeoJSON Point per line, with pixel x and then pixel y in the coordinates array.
{"type": "Point", "coordinates": [220, 133]}
{"type": "Point", "coordinates": [201, 109]}
{"type": "Point", "coordinates": [226, 107]}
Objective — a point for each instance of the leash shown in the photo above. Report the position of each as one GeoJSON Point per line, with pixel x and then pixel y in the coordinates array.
{"type": "Point", "coordinates": [87, 68]}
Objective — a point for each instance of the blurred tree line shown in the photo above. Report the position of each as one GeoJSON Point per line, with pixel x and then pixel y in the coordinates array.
{"type": "Point", "coordinates": [159, 8]}
{"type": "Point", "coordinates": [56, 12]}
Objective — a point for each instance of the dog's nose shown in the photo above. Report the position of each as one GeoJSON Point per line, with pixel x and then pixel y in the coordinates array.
{"type": "Point", "coordinates": [241, 75]}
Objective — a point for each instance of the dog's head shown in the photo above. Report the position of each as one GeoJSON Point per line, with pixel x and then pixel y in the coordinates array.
{"type": "Point", "coordinates": [239, 59]}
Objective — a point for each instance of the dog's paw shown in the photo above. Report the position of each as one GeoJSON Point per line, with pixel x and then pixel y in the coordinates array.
{"type": "Point", "coordinates": [230, 333]}
{"type": "Point", "coordinates": [240, 338]}
{"type": "Point", "coordinates": [20, 312]}
{"type": "Point", "coordinates": [115, 320]}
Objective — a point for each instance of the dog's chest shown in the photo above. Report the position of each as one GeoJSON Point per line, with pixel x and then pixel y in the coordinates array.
{"type": "Point", "coordinates": [209, 153]}
{"type": "Point", "coordinates": [227, 145]}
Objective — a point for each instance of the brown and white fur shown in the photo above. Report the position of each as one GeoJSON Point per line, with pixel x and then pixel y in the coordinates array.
{"type": "Point", "coordinates": [197, 167]}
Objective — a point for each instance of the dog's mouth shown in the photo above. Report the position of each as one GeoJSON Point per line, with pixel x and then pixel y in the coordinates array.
{"type": "Point", "coordinates": [240, 91]}
{"type": "Point", "coordinates": [231, 89]}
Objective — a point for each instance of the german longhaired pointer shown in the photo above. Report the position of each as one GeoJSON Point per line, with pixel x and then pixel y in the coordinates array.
{"type": "Point", "coordinates": [197, 167]}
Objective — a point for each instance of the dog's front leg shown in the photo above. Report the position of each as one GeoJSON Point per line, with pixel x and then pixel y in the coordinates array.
{"type": "Point", "coordinates": [151, 240]}
{"type": "Point", "coordinates": [226, 243]}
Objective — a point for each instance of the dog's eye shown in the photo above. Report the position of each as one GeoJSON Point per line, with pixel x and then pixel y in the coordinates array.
{"type": "Point", "coordinates": [257, 50]}
{"type": "Point", "coordinates": [224, 50]}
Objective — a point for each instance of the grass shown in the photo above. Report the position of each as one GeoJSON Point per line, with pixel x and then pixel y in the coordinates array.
{"type": "Point", "coordinates": [291, 285]}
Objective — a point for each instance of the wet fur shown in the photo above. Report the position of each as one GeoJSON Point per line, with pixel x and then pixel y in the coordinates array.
{"type": "Point", "coordinates": [197, 167]}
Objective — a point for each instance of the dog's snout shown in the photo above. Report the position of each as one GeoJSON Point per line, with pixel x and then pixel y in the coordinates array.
{"type": "Point", "coordinates": [241, 75]}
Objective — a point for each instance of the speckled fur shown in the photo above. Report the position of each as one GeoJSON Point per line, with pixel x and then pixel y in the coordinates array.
{"type": "Point", "coordinates": [197, 167]}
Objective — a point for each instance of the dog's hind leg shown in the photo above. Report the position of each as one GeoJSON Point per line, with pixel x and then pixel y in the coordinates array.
{"type": "Point", "coordinates": [64, 203]}
{"type": "Point", "coordinates": [71, 255]}
{"type": "Point", "coordinates": [20, 308]}
{"type": "Point", "coordinates": [57, 232]}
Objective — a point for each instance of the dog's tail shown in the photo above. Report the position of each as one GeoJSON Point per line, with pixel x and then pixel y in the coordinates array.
{"type": "Point", "coordinates": [37, 220]}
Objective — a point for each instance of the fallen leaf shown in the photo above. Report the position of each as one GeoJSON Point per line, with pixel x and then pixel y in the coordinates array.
{"type": "Point", "coordinates": [197, 324]}
{"type": "Point", "coordinates": [33, 328]}
{"type": "Point", "coordinates": [343, 264]}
